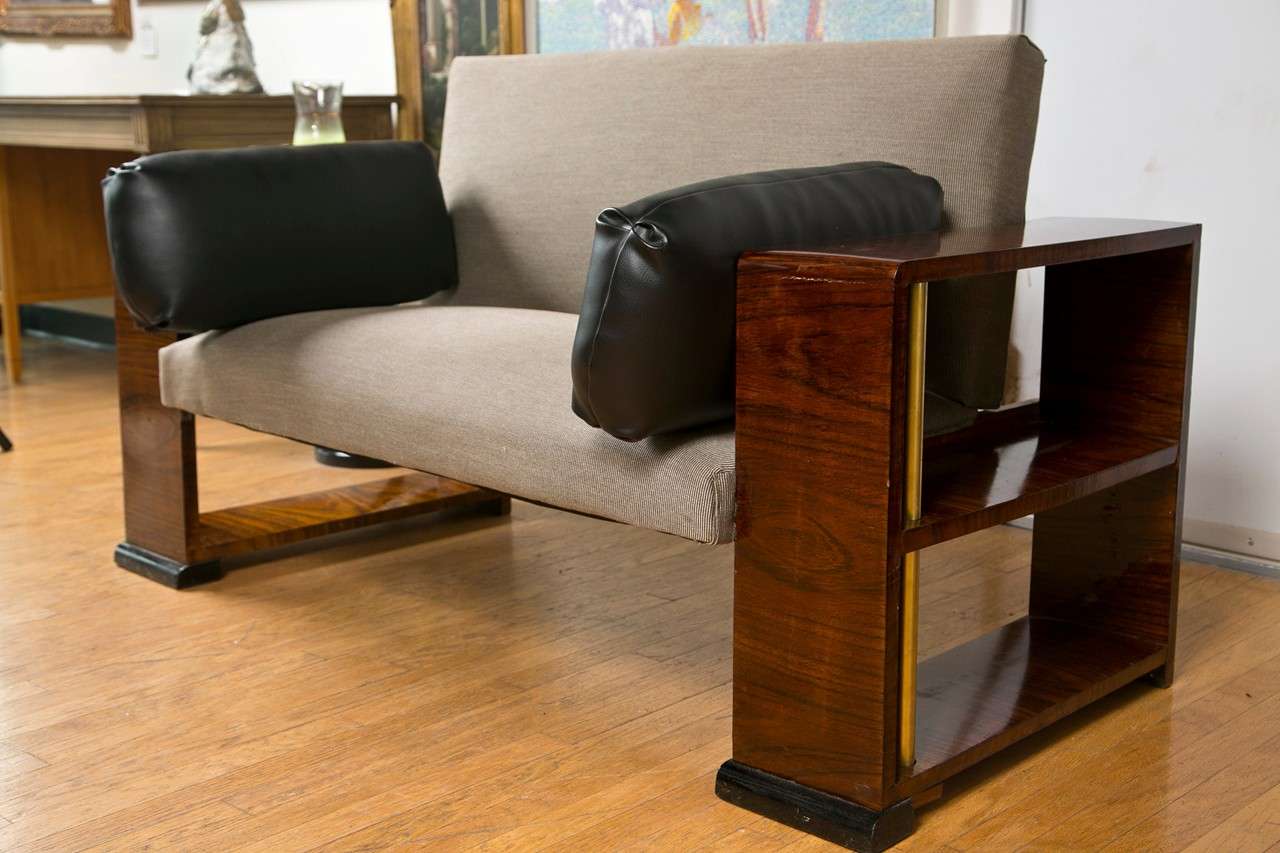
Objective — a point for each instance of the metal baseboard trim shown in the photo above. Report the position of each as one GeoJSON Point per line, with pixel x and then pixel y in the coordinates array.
{"type": "Point", "coordinates": [1230, 560]}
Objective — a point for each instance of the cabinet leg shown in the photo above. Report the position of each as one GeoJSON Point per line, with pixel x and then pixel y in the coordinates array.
{"type": "Point", "coordinates": [12, 330]}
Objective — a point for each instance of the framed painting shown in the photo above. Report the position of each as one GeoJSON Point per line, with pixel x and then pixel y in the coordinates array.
{"type": "Point", "coordinates": [105, 18]}
{"type": "Point", "coordinates": [577, 25]}
{"type": "Point", "coordinates": [429, 34]}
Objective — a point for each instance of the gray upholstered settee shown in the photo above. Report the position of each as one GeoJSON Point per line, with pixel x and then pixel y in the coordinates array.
{"type": "Point", "coordinates": [475, 386]}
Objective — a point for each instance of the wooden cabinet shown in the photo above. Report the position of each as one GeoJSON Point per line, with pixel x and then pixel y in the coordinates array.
{"type": "Point", "coordinates": [55, 151]}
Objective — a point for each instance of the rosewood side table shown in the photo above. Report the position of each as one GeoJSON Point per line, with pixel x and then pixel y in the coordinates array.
{"type": "Point", "coordinates": [838, 728]}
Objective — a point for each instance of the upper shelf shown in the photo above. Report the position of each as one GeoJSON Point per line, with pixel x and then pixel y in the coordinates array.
{"type": "Point", "coordinates": [1020, 469]}
{"type": "Point", "coordinates": [933, 255]}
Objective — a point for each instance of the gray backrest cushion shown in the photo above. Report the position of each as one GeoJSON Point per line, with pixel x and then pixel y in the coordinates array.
{"type": "Point", "coordinates": [536, 146]}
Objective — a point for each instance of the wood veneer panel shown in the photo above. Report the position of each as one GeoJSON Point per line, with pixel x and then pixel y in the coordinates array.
{"type": "Point", "coordinates": [978, 698]}
{"type": "Point", "coordinates": [816, 578]}
{"type": "Point", "coordinates": [159, 447]}
{"type": "Point", "coordinates": [102, 123]}
{"type": "Point", "coordinates": [151, 123]}
{"type": "Point", "coordinates": [59, 243]}
{"type": "Point", "coordinates": [1110, 561]}
{"type": "Point", "coordinates": [270, 524]}
{"type": "Point", "coordinates": [982, 251]}
{"type": "Point", "coordinates": [1117, 342]}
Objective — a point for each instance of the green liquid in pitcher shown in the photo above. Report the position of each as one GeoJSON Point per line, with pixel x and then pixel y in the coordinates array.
{"type": "Point", "coordinates": [318, 129]}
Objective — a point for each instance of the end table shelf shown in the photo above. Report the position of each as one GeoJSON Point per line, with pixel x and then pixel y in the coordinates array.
{"type": "Point", "coordinates": [970, 485]}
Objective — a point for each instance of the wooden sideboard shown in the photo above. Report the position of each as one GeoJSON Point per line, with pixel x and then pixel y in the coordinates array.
{"type": "Point", "coordinates": [55, 151]}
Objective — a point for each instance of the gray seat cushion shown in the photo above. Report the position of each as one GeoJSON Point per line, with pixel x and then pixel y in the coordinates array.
{"type": "Point", "coordinates": [479, 394]}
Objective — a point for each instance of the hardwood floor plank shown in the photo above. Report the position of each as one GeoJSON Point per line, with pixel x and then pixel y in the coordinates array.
{"type": "Point", "coordinates": [539, 682]}
{"type": "Point", "coordinates": [1179, 823]}
{"type": "Point", "coordinates": [1151, 764]}
{"type": "Point", "coordinates": [1256, 827]}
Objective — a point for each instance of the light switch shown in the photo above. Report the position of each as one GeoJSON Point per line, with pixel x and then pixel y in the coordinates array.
{"type": "Point", "coordinates": [148, 40]}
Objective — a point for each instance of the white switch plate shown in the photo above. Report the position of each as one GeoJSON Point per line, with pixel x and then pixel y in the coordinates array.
{"type": "Point", "coordinates": [148, 40]}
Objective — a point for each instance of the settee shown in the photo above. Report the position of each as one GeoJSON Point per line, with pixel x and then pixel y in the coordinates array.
{"type": "Point", "coordinates": [847, 452]}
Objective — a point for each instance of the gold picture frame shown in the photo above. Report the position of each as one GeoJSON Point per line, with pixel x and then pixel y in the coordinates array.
{"type": "Point", "coordinates": [48, 19]}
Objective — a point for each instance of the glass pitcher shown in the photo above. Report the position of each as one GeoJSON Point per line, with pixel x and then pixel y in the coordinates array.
{"type": "Point", "coordinates": [319, 113]}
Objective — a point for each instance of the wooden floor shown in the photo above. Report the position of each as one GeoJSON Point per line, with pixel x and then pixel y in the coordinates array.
{"type": "Point", "coordinates": [544, 682]}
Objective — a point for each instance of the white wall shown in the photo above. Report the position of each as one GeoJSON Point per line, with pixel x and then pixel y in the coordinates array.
{"type": "Point", "coordinates": [348, 40]}
{"type": "Point", "coordinates": [1171, 110]}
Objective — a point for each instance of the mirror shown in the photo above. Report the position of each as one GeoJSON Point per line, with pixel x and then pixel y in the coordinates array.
{"type": "Point", "coordinates": [105, 18]}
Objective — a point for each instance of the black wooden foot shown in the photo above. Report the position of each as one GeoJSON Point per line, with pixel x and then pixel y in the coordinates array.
{"type": "Point", "coordinates": [816, 812]}
{"type": "Point", "coordinates": [161, 569]}
{"type": "Point", "coordinates": [343, 459]}
{"type": "Point", "coordinates": [497, 506]}
{"type": "Point", "coordinates": [1162, 677]}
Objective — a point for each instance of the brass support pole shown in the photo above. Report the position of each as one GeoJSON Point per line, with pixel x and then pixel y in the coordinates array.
{"type": "Point", "coordinates": [919, 308]}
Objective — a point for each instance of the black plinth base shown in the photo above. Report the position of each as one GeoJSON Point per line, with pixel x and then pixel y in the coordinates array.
{"type": "Point", "coordinates": [163, 570]}
{"type": "Point", "coordinates": [818, 813]}
{"type": "Point", "coordinates": [343, 459]}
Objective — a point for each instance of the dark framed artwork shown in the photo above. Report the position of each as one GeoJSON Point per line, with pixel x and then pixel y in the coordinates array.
{"type": "Point", "coordinates": [429, 35]}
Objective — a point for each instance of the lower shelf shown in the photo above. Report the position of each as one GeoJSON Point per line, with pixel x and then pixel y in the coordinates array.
{"type": "Point", "coordinates": [254, 527]}
{"type": "Point", "coordinates": [978, 698]}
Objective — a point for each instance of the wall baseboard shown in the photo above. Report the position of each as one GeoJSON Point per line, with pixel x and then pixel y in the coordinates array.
{"type": "Point", "coordinates": [1251, 544]}
{"type": "Point", "coordinates": [78, 326]}
{"type": "Point", "coordinates": [1230, 560]}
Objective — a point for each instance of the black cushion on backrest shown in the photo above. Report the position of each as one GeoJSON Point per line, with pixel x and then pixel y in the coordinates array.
{"type": "Point", "coordinates": [654, 348]}
{"type": "Point", "coordinates": [214, 239]}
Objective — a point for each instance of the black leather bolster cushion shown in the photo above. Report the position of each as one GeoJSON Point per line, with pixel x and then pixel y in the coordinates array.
{"type": "Point", "coordinates": [214, 239]}
{"type": "Point", "coordinates": [654, 345]}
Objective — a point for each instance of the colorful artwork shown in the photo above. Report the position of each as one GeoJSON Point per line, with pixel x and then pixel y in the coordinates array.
{"type": "Point", "coordinates": [578, 25]}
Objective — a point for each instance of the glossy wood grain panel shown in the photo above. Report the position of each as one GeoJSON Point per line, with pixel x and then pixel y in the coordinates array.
{"type": "Point", "coordinates": [1117, 342]}
{"type": "Point", "coordinates": [978, 698]}
{"type": "Point", "coordinates": [255, 527]}
{"type": "Point", "coordinates": [982, 251]}
{"type": "Point", "coordinates": [1109, 561]}
{"type": "Point", "coordinates": [816, 581]}
{"type": "Point", "coordinates": [819, 382]}
{"type": "Point", "coordinates": [971, 488]}
{"type": "Point", "coordinates": [158, 446]}
{"type": "Point", "coordinates": [1130, 375]}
